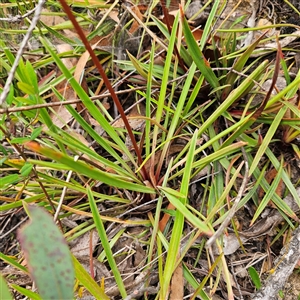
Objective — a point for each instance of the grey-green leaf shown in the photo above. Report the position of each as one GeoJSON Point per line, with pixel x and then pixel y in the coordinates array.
{"type": "Point", "coordinates": [47, 255]}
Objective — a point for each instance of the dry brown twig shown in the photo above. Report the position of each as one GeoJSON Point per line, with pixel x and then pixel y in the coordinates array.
{"type": "Point", "coordinates": [285, 265]}
{"type": "Point", "coordinates": [18, 18]}
{"type": "Point", "coordinates": [52, 104]}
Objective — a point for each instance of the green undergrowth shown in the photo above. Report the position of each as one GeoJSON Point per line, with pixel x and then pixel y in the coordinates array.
{"type": "Point", "coordinates": [203, 136]}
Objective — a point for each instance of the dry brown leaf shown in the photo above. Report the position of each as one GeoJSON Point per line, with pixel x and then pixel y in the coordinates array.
{"type": "Point", "coordinates": [69, 62]}
{"type": "Point", "coordinates": [135, 25]}
{"type": "Point", "coordinates": [62, 116]}
{"type": "Point", "coordinates": [270, 175]}
{"type": "Point", "coordinates": [114, 15]}
{"type": "Point", "coordinates": [164, 220]}
{"type": "Point", "coordinates": [80, 65]}
{"type": "Point", "coordinates": [177, 282]}
{"type": "Point", "coordinates": [175, 148]}
{"type": "Point", "coordinates": [80, 247]}
{"type": "Point", "coordinates": [171, 19]}
{"type": "Point", "coordinates": [50, 20]}
{"type": "Point", "coordinates": [270, 32]}
{"type": "Point", "coordinates": [135, 119]}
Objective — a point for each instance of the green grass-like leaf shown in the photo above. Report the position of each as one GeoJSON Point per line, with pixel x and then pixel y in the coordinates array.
{"type": "Point", "coordinates": [267, 139]}
{"type": "Point", "coordinates": [88, 170]}
{"type": "Point", "coordinates": [89, 104]}
{"type": "Point", "coordinates": [87, 281]}
{"type": "Point", "coordinates": [198, 56]}
{"type": "Point", "coordinates": [4, 290]}
{"type": "Point", "coordinates": [255, 277]}
{"type": "Point", "coordinates": [105, 244]}
{"type": "Point", "coordinates": [26, 292]}
{"type": "Point", "coordinates": [179, 221]}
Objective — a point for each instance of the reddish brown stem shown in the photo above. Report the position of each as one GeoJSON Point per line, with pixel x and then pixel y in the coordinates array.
{"type": "Point", "coordinates": [106, 81]}
{"type": "Point", "coordinates": [274, 79]}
